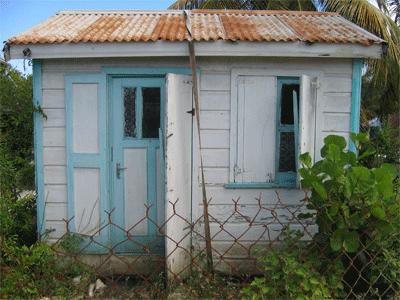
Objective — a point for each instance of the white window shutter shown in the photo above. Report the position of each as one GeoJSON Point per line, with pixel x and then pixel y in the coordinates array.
{"type": "Point", "coordinates": [307, 113]}
{"type": "Point", "coordinates": [257, 102]}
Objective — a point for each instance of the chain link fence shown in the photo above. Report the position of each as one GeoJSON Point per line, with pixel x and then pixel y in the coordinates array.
{"type": "Point", "coordinates": [289, 252]}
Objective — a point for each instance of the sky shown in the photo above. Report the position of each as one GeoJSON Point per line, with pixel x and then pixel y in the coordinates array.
{"type": "Point", "coordinates": [19, 15]}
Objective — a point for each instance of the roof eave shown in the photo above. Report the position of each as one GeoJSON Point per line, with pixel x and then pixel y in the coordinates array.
{"type": "Point", "coordinates": [204, 48]}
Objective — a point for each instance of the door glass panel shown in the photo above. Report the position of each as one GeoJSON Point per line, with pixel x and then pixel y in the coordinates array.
{"type": "Point", "coordinates": [287, 161]}
{"type": "Point", "coordinates": [130, 113]}
{"type": "Point", "coordinates": [151, 112]}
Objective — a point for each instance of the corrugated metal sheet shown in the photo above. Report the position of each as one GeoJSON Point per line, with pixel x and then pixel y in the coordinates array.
{"type": "Point", "coordinates": [101, 26]}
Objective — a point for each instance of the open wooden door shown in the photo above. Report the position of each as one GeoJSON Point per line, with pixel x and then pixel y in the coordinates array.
{"type": "Point", "coordinates": [178, 173]}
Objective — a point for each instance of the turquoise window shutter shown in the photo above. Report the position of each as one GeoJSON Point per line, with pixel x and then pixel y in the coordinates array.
{"type": "Point", "coordinates": [86, 114]}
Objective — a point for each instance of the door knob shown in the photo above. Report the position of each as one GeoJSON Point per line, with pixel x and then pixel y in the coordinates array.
{"type": "Point", "coordinates": [119, 168]}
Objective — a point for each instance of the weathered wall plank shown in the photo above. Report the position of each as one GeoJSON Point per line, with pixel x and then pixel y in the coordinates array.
{"type": "Point", "coordinates": [55, 117]}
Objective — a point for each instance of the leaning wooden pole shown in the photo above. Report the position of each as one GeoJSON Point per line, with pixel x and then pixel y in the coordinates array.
{"type": "Point", "coordinates": [197, 113]}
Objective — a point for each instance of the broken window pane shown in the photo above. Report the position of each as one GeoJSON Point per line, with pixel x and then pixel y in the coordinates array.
{"type": "Point", "coordinates": [151, 112]}
{"type": "Point", "coordinates": [287, 103]}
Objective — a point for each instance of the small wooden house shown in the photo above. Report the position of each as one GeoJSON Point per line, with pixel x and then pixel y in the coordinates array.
{"type": "Point", "coordinates": [121, 134]}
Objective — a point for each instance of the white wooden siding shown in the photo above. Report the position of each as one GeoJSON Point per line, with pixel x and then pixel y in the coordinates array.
{"type": "Point", "coordinates": [55, 156]}
{"type": "Point", "coordinates": [53, 98]}
{"type": "Point", "coordinates": [215, 100]}
{"type": "Point", "coordinates": [216, 158]}
{"type": "Point", "coordinates": [55, 117]}
{"type": "Point", "coordinates": [54, 153]}
{"type": "Point", "coordinates": [55, 174]}
{"type": "Point", "coordinates": [57, 193]}
{"type": "Point", "coordinates": [336, 118]}
{"type": "Point", "coordinates": [215, 85]}
{"type": "Point", "coordinates": [54, 136]}
{"type": "Point", "coordinates": [214, 125]}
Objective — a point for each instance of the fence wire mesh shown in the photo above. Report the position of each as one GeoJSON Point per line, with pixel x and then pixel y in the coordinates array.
{"type": "Point", "coordinates": [276, 252]}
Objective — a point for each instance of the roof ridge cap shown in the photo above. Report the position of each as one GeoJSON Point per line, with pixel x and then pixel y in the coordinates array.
{"type": "Point", "coordinates": [116, 11]}
{"type": "Point", "coordinates": [197, 11]}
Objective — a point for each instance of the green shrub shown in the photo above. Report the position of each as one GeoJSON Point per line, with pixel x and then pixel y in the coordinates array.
{"type": "Point", "coordinates": [296, 273]}
{"type": "Point", "coordinates": [18, 219]}
{"type": "Point", "coordinates": [16, 126]}
{"type": "Point", "coordinates": [386, 144]}
{"type": "Point", "coordinates": [356, 251]}
{"type": "Point", "coordinates": [17, 213]}
{"type": "Point", "coordinates": [41, 270]}
{"type": "Point", "coordinates": [357, 211]}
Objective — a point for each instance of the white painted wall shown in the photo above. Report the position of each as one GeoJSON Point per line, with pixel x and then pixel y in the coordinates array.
{"type": "Point", "coordinates": [333, 116]}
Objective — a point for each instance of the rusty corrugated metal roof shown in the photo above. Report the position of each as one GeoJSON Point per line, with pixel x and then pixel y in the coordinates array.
{"type": "Point", "coordinates": [169, 25]}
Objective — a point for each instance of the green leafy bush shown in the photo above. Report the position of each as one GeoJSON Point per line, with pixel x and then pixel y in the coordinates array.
{"type": "Point", "coordinates": [386, 144]}
{"type": "Point", "coordinates": [18, 218]}
{"type": "Point", "coordinates": [356, 251]}
{"type": "Point", "coordinates": [357, 210]}
{"type": "Point", "coordinates": [17, 213]}
{"type": "Point", "coordinates": [296, 273]}
{"type": "Point", "coordinates": [16, 139]}
{"type": "Point", "coordinates": [41, 270]}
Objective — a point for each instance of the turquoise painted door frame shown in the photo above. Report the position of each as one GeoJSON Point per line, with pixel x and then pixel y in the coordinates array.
{"type": "Point", "coordinates": [136, 163]}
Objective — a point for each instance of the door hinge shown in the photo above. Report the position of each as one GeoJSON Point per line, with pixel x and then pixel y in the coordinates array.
{"type": "Point", "coordinates": [316, 84]}
{"type": "Point", "coordinates": [240, 81]}
{"type": "Point", "coordinates": [243, 81]}
{"type": "Point", "coordinates": [192, 112]}
{"type": "Point", "coordinates": [238, 170]}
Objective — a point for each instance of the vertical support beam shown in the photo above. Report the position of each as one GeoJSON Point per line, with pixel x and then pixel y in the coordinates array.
{"type": "Point", "coordinates": [38, 145]}
{"type": "Point", "coordinates": [356, 99]}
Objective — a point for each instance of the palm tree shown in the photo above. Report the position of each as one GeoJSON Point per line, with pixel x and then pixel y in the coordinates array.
{"type": "Point", "coordinates": [245, 4]}
{"type": "Point", "coordinates": [394, 9]}
{"type": "Point", "coordinates": [382, 76]}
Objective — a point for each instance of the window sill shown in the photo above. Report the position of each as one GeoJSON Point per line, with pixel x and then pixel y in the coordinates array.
{"type": "Point", "coordinates": [260, 185]}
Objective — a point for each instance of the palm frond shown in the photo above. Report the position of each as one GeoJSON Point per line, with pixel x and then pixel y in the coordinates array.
{"type": "Point", "coordinates": [384, 73]}
{"type": "Point", "coordinates": [394, 10]}
{"type": "Point", "coordinates": [245, 4]}
{"type": "Point", "coordinates": [186, 4]}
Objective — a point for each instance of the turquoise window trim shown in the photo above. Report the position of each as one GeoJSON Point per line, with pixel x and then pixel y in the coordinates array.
{"type": "Point", "coordinates": [82, 160]}
{"type": "Point", "coordinates": [256, 185]}
{"type": "Point", "coordinates": [356, 99]}
{"type": "Point", "coordinates": [38, 145]}
{"type": "Point", "coordinates": [287, 178]}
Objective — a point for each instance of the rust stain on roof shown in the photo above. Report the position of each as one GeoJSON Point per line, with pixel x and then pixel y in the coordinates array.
{"type": "Point", "coordinates": [207, 25]}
